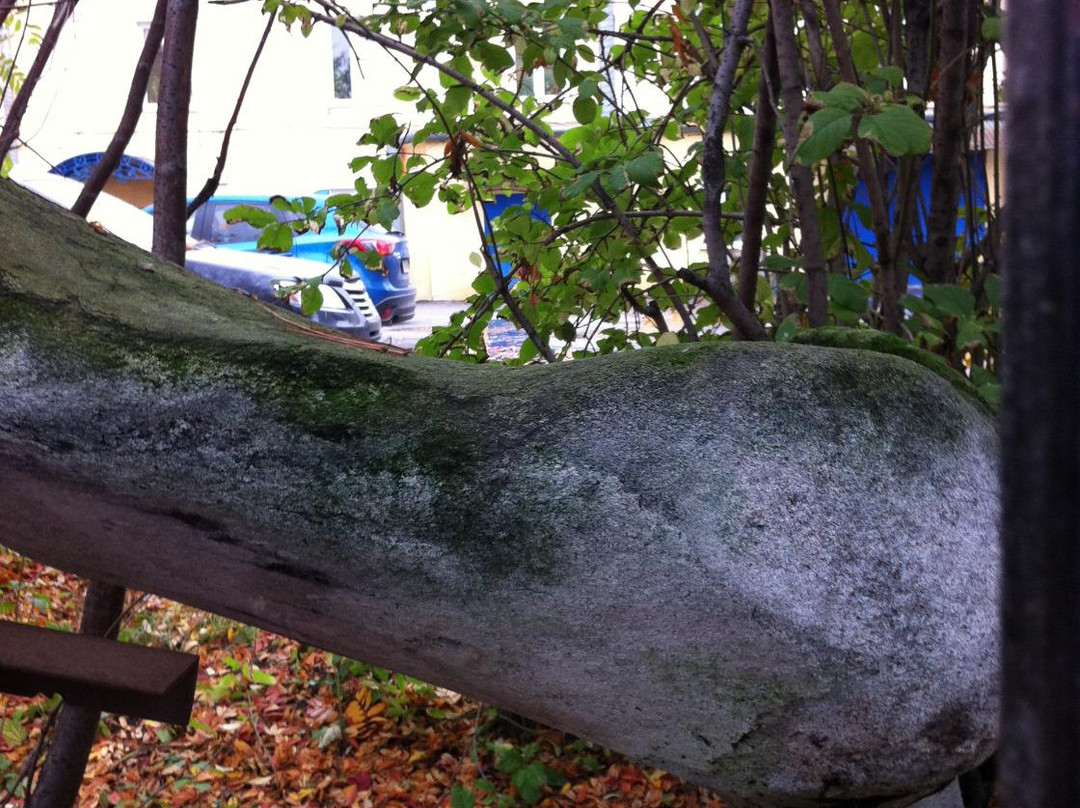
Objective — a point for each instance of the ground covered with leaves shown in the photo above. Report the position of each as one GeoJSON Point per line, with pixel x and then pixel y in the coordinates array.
{"type": "Point", "coordinates": [276, 723]}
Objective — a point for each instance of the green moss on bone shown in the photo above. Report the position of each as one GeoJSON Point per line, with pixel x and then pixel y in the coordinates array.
{"type": "Point", "coordinates": [880, 342]}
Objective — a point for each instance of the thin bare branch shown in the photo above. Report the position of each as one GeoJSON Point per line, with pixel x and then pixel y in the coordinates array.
{"type": "Point", "coordinates": [211, 185]}
{"type": "Point", "coordinates": [61, 13]}
{"type": "Point", "coordinates": [718, 280]}
{"type": "Point", "coordinates": [802, 181]}
{"type": "Point", "coordinates": [948, 142]}
{"type": "Point", "coordinates": [760, 175]}
{"type": "Point", "coordinates": [129, 120]}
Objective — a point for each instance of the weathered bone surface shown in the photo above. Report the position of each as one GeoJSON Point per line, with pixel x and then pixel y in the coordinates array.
{"type": "Point", "coordinates": [769, 569]}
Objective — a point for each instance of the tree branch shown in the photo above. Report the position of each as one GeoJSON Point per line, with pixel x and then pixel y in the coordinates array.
{"type": "Point", "coordinates": [130, 118]}
{"type": "Point", "coordinates": [62, 774]}
{"type": "Point", "coordinates": [802, 181]}
{"type": "Point", "coordinates": [948, 142]}
{"type": "Point", "coordinates": [212, 182]}
{"type": "Point", "coordinates": [6, 7]}
{"type": "Point", "coordinates": [633, 214]}
{"type": "Point", "coordinates": [760, 174]}
{"type": "Point", "coordinates": [718, 279]}
{"type": "Point", "coordinates": [170, 148]}
{"type": "Point", "coordinates": [61, 13]}
{"type": "Point", "coordinates": [885, 277]}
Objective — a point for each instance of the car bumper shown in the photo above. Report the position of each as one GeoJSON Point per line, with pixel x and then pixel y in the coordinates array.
{"type": "Point", "coordinates": [397, 307]}
{"type": "Point", "coordinates": [347, 323]}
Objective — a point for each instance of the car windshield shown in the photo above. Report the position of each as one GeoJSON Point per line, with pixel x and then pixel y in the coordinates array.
{"type": "Point", "coordinates": [223, 232]}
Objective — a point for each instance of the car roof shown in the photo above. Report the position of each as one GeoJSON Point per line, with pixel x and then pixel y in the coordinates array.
{"type": "Point", "coordinates": [279, 267]}
{"type": "Point", "coordinates": [136, 226]}
{"type": "Point", "coordinates": [130, 223]}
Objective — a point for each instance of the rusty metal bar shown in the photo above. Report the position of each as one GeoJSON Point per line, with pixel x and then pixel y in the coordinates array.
{"type": "Point", "coordinates": [98, 673]}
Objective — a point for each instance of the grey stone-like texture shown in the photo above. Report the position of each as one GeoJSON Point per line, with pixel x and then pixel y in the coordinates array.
{"type": "Point", "coordinates": [770, 569]}
{"type": "Point", "coordinates": [948, 797]}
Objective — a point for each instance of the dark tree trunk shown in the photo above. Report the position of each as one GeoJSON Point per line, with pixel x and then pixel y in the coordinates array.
{"type": "Point", "coordinates": [885, 275]}
{"type": "Point", "coordinates": [917, 52]}
{"type": "Point", "coordinates": [61, 13]}
{"type": "Point", "coordinates": [62, 775]}
{"type": "Point", "coordinates": [170, 149]}
{"type": "Point", "coordinates": [948, 141]}
{"type": "Point", "coordinates": [212, 182]}
{"type": "Point", "coordinates": [802, 181]}
{"type": "Point", "coordinates": [760, 174]}
{"type": "Point", "coordinates": [713, 171]}
{"type": "Point", "coordinates": [130, 119]}
{"type": "Point", "coordinates": [819, 62]}
{"type": "Point", "coordinates": [5, 8]}
{"type": "Point", "coordinates": [1041, 423]}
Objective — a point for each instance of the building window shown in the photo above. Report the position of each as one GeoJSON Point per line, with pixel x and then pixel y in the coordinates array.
{"type": "Point", "coordinates": [342, 60]}
{"type": "Point", "coordinates": [538, 83]}
{"type": "Point", "coordinates": [153, 85]}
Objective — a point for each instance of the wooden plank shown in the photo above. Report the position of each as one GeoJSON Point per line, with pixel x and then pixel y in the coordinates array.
{"type": "Point", "coordinates": [98, 673]}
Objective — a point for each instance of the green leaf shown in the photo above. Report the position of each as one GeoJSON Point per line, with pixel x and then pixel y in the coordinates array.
{"type": "Point", "coordinates": [457, 98]}
{"type": "Point", "coordinates": [993, 290]}
{"type": "Point", "coordinates": [277, 237]}
{"type": "Point", "coordinates": [256, 217]}
{"type": "Point", "coordinates": [14, 734]}
{"type": "Point", "coordinates": [582, 183]}
{"type": "Point", "coordinates": [585, 109]}
{"type": "Point", "coordinates": [881, 79]}
{"type": "Point", "coordinates": [668, 338]}
{"type": "Point", "coordinates": [508, 759]}
{"type": "Point", "coordinates": [775, 262]}
{"type": "Point", "coordinates": [950, 299]}
{"type": "Point", "coordinates": [420, 188]}
{"type": "Point", "coordinates": [530, 781]}
{"type": "Point", "coordinates": [646, 169]}
{"type": "Point", "coordinates": [796, 282]}
{"type": "Point", "coordinates": [511, 11]}
{"type": "Point", "coordinates": [847, 294]}
{"type": "Point", "coordinates": [311, 299]}
{"type": "Point", "coordinates": [823, 135]}
{"type": "Point", "coordinates": [898, 130]}
{"type": "Point", "coordinates": [993, 28]}
{"type": "Point", "coordinates": [572, 138]}
{"type": "Point", "coordinates": [969, 334]}
{"type": "Point", "coordinates": [493, 57]}
{"type": "Point", "coordinates": [387, 212]}
{"type": "Point", "coordinates": [788, 329]}
{"type": "Point", "coordinates": [383, 131]}
{"type": "Point", "coordinates": [461, 797]}
{"type": "Point", "coordinates": [846, 97]}
{"type": "Point", "coordinates": [618, 179]}
{"type": "Point", "coordinates": [7, 607]}
{"type": "Point", "coordinates": [528, 351]}
{"type": "Point", "coordinates": [262, 678]}
{"type": "Point", "coordinates": [407, 93]}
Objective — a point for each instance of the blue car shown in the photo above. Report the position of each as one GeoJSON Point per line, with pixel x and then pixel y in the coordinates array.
{"type": "Point", "coordinates": [388, 285]}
